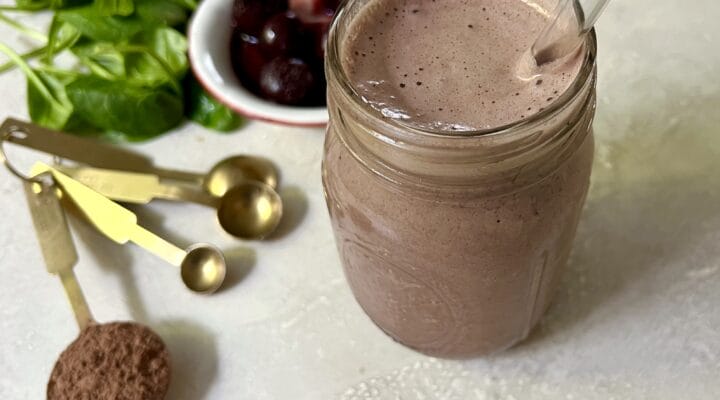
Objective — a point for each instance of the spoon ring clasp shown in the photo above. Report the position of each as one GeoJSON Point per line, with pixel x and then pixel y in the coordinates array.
{"type": "Point", "coordinates": [10, 167]}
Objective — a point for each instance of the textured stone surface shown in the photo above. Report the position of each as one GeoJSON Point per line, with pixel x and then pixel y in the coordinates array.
{"type": "Point", "coordinates": [636, 316]}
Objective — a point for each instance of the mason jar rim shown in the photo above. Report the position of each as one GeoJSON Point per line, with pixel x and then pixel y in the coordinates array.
{"type": "Point", "coordinates": [336, 70]}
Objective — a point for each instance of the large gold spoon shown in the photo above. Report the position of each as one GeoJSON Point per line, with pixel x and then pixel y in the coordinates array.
{"type": "Point", "coordinates": [127, 339]}
{"type": "Point", "coordinates": [202, 266]}
{"type": "Point", "coordinates": [248, 210]}
{"type": "Point", "coordinates": [236, 170]}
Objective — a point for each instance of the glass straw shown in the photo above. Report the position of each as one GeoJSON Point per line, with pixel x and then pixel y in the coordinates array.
{"type": "Point", "coordinates": [571, 21]}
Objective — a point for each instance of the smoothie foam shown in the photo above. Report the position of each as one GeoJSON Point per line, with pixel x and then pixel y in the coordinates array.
{"type": "Point", "coordinates": [452, 65]}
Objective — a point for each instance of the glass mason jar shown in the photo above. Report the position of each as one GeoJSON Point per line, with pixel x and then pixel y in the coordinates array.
{"type": "Point", "coordinates": [454, 244]}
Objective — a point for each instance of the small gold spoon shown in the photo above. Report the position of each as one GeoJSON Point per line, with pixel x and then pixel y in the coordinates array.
{"type": "Point", "coordinates": [202, 266]}
{"type": "Point", "coordinates": [249, 210]}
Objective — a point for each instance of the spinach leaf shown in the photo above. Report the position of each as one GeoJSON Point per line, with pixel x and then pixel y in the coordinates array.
{"type": "Point", "coordinates": [156, 58]}
{"type": "Point", "coordinates": [171, 46]}
{"type": "Point", "coordinates": [149, 14]}
{"type": "Point", "coordinates": [46, 112]}
{"type": "Point", "coordinates": [48, 104]}
{"type": "Point", "coordinates": [32, 5]}
{"type": "Point", "coordinates": [161, 12]}
{"type": "Point", "coordinates": [208, 112]}
{"type": "Point", "coordinates": [153, 59]}
{"type": "Point", "coordinates": [138, 112]}
{"type": "Point", "coordinates": [146, 69]}
{"type": "Point", "coordinates": [119, 137]}
{"type": "Point", "coordinates": [134, 56]}
{"type": "Point", "coordinates": [108, 8]}
{"type": "Point", "coordinates": [61, 35]}
{"type": "Point", "coordinates": [101, 28]}
{"type": "Point", "coordinates": [37, 5]}
{"type": "Point", "coordinates": [103, 59]}
{"type": "Point", "coordinates": [58, 40]}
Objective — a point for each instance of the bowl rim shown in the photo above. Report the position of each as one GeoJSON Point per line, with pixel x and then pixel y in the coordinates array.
{"type": "Point", "coordinates": [200, 26]}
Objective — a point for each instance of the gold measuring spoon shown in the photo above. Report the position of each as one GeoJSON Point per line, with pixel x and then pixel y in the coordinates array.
{"type": "Point", "coordinates": [135, 187]}
{"type": "Point", "coordinates": [249, 210]}
{"type": "Point", "coordinates": [236, 170]}
{"type": "Point", "coordinates": [202, 266]}
{"type": "Point", "coordinates": [60, 257]}
{"type": "Point", "coordinates": [221, 177]}
{"type": "Point", "coordinates": [126, 339]}
{"type": "Point", "coordinates": [84, 150]}
{"type": "Point", "coordinates": [56, 244]}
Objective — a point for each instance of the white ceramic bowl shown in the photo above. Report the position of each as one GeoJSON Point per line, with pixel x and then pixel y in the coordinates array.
{"type": "Point", "coordinates": [209, 49]}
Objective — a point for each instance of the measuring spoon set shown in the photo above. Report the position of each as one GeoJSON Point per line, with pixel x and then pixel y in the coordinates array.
{"type": "Point", "coordinates": [242, 190]}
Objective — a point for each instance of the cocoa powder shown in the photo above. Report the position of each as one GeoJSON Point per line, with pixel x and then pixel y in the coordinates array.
{"type": "Point", "coordinates": [118, 361]}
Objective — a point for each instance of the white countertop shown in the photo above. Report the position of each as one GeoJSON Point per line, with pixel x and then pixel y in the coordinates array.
{"type": "Point", "coordinates": [638, 315]}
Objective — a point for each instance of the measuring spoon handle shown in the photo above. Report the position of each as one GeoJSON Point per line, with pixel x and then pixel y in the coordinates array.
{"type": "Point", "coordinates": [113, 220]}
{"type": "Point", "coordinates": [134, 187]}
{"type": "Point", "coordinates": [56, 244]}
{"type": "Point", "coordinates": [175, 175]}
{"type": "Point", "coordinates": [74, 293]}
{"type": "Point", "coordinates": [183, 193]}
{"type": "Point", "coordinates": [156, 245]}
{"type": "Point", "coordinates": [71, 147]}
{"type": "Point", "coordinates": [76, 148]}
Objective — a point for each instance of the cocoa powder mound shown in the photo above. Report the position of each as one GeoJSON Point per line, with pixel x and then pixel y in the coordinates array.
{"type": "Point", "coordinates": [118, 361]}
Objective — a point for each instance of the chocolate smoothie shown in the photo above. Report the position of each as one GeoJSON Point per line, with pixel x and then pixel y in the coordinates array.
{"type": "Point", "coordinates": [469, 271]}
{"type": "Point", "coordinates": [452, 64]}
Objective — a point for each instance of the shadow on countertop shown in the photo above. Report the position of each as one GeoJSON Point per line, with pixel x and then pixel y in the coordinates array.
{"type": "Point", "coordinates": [295, 207]}
{"type": "Point", "coordinates": [194, 358]}
{"type": "Point", "coordinates": [113, 259]}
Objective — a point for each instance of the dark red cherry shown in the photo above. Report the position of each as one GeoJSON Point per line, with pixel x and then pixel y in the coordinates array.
{"type": "Point", "coordinates": [306, 7]}
{"type": "Point", "coordinates": [250, 15]}
{"type": "Point", "coordinates": [332, 5]}
{"type": "Point", "coordinates": [287, 80]}
{"type": "Point", "coordinates": [282, 35]}
{"type": "Point", "coordinates": [247, 58]}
